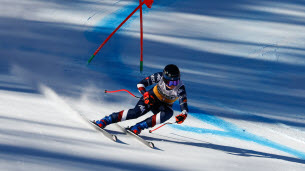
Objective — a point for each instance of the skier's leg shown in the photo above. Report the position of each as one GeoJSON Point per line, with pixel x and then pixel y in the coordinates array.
{"type": "Point", "coordinates": [166, 112]}
{"type": "Point", "coordinates": [140, 109]}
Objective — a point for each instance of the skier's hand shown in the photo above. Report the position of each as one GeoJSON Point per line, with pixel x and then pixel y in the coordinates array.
{"type": "Point", "coordinates": [149, 3]}
{"type": "Point", "coordinates": [180, 118]}
{"type": "Point", "coordinates": [148, 98]}
{"type": "Point", "coordinates": [142, 90]}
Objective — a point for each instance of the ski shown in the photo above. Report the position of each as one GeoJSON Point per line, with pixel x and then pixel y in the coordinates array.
{"type": "Point", "coordinates": [121, 128]}
{"type": "Point", "coordinates": [103, 131]}
{"type": "Point", "coordinates": [140, 139]}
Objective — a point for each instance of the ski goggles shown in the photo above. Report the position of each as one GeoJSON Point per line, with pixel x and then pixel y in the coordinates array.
{"type": "Point", "coordinates": [172, 83]}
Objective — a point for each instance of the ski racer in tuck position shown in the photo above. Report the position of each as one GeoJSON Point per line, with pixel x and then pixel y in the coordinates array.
{"type": "Point", "coordinates": [158, 99]}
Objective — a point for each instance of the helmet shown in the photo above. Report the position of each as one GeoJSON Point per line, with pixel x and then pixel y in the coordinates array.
{"type": "Point", "coordinates": [171, 75]}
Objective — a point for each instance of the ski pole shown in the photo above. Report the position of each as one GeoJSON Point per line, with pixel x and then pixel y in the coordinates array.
{"type": "Point", "coordinates": [141, 38]}
{"type": "Point", "coordinates": [106, 91]}
{"type": "Point", "coordinates": [115, 31]}
{"type": "Point", "coordinates": [150, 131]}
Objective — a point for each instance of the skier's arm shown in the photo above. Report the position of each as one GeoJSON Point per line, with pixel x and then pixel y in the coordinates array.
{"type": "Point", "coordinates": [183, 100]}
{"type": "Point", "coordinates": [155, 78]}
{"type": "Point", "coordinates": [183, 105]}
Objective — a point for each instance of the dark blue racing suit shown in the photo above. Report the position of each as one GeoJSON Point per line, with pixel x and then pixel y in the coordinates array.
{"type": "Point", "coordinates": [164, 99]}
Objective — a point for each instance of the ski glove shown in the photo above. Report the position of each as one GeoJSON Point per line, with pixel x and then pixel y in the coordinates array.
{"type": "Point", "coordinates": [180, 118]}
{"type": "Point", "coordinates": [149, 3]}
{"type": "Point", "coordinates": [148, 98]}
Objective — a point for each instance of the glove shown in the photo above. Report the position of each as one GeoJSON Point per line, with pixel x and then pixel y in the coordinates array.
{"type": "Point", "coordinates": [180, 118]}
{"type": "Point", "coordinates": [148, 98]}
{"type": "Point", "coordinates": [149, 3]}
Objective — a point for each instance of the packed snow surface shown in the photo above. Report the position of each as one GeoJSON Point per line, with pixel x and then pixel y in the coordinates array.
{"type": "Point", "coordinates": [242, 63]}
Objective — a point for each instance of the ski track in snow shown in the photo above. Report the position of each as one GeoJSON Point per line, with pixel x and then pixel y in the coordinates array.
{"type": "Point", "coordinates": [111, 21]}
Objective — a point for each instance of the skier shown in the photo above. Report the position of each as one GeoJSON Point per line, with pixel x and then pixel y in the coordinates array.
{"type": "Point", "coordinates": [158, 99]}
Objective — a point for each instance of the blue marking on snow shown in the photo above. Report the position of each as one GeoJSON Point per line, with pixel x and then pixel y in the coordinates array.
{"type": "Point", "coordinates": [233, 131]}
{"type": "Point", "coordinates": [112, 21]}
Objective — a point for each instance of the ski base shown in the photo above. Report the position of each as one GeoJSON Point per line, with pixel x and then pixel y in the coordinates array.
{"type": "Point", "coordinates": [106, 133]}
{"type": "Point", "coordinates": [140, 139]}
{"type": "Point", "coordinates": [103, 131]}
{"type": "Point", "coordinates": [147, 143]}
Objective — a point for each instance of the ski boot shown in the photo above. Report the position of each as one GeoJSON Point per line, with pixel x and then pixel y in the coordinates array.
{"type": "Point", "coordinates": [103, 122]}
{"type": "Point", "coordinates": [137, 128]}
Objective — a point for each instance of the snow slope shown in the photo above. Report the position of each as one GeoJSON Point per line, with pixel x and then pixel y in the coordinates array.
{"type": "Point", "coordinates": [242, 63]}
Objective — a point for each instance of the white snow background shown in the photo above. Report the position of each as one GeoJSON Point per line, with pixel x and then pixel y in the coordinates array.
{"type": "Point", "coordinates": [242, 62]}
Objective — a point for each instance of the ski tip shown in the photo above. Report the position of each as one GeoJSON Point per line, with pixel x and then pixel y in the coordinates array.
{"type": "Point", "coordinates": [114, 138]}
{"type": "Point", "coordinates": [151, 145]}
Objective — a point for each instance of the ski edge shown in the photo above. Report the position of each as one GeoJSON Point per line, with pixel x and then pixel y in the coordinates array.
{"type": "Point", "coordinates": [147, 143]}
{"type": "Point", "coordinates": [121, 128]}
{"type": "Point", "coordinates": [104, 132]}
{"type": "Point", "coordinates": [127, 131]}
